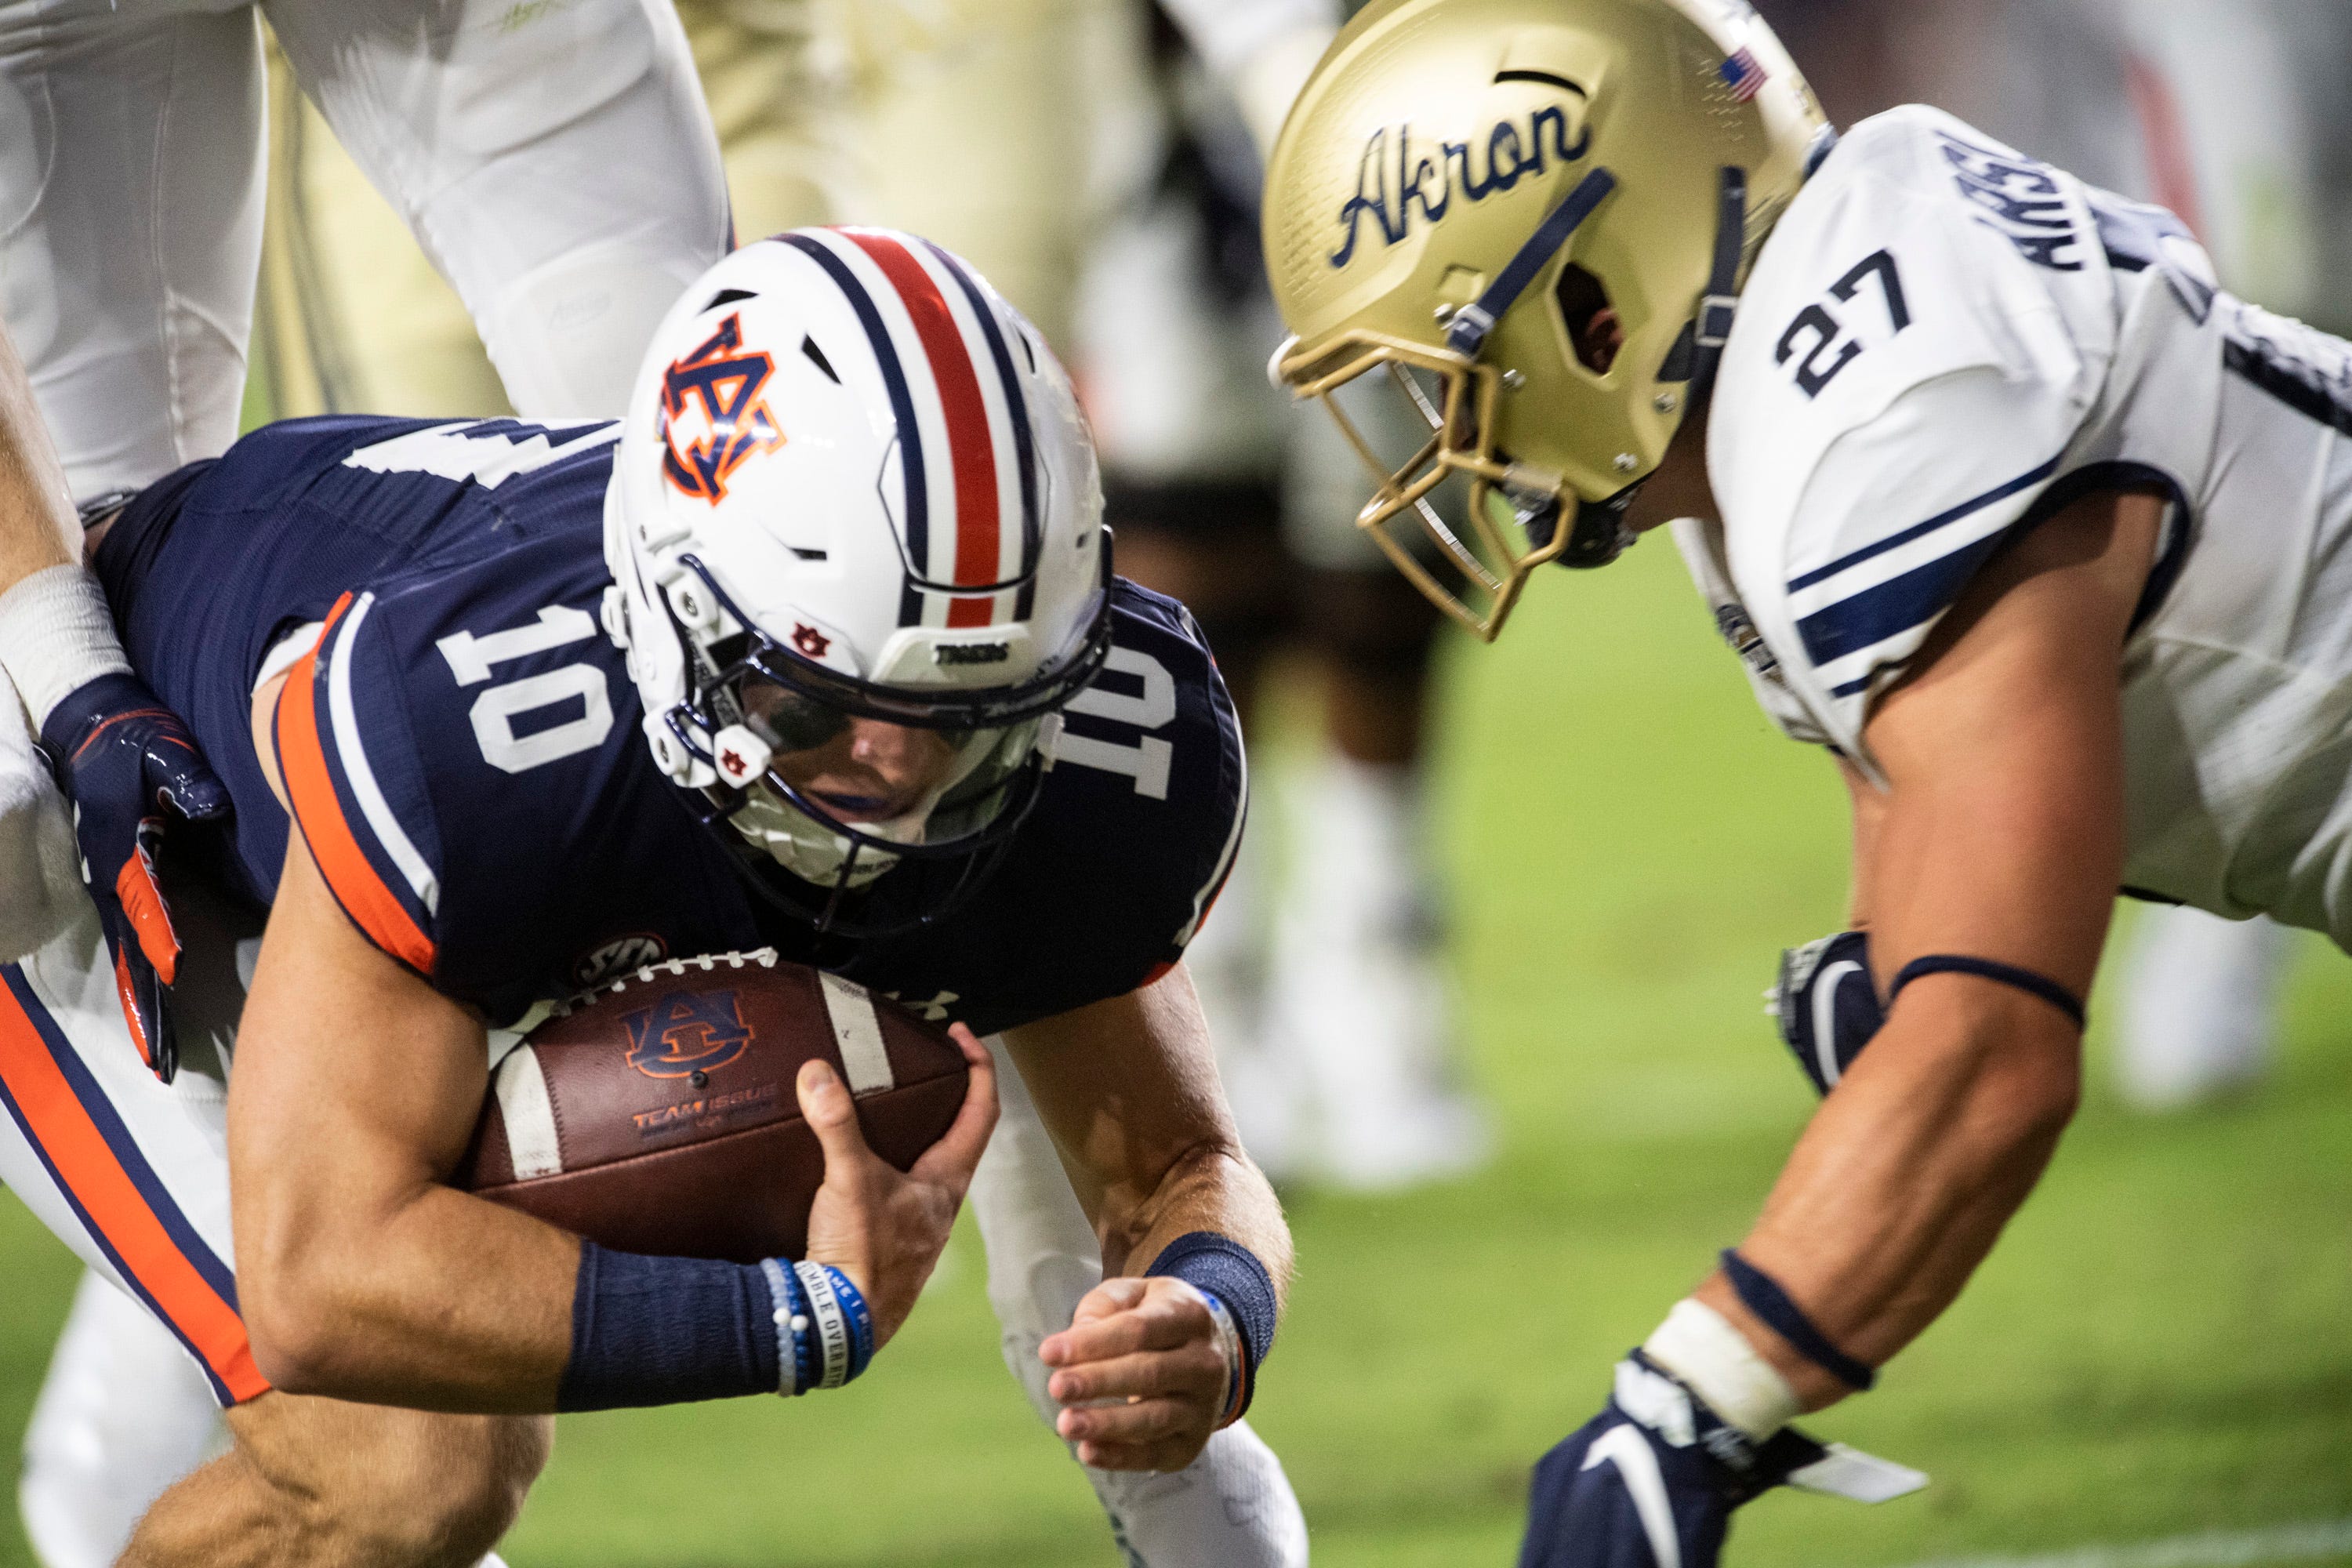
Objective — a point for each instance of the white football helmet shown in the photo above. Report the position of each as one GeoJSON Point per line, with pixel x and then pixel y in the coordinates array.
{"type": "Point", "coordinates": [855, 485]}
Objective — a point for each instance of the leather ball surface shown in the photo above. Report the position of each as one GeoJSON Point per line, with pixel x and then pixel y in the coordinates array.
{"type": "Point", "coordinates": [658, 1114]}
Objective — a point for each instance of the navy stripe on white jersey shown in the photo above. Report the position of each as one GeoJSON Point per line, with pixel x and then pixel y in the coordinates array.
{"type": "Point", "coordinates": [1854, 612]}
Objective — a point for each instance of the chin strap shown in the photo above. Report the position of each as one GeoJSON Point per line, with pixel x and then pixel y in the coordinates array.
{"type": "Point", "coordinates": [1599, 534]}
{"type": "Point", "coordinates": [1712, 328]}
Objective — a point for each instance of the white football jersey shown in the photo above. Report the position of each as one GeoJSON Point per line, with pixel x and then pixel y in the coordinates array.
{"type": "Point", "coordinates": [1945, 342]}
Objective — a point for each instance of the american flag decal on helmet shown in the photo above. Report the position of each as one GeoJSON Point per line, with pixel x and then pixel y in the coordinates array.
{"type": "Point", "coordinates": [1742, 75]}
{"type": "Point", "coordinates": [966, 491]}
{"type": "Point", "coordinates": [712, 402]}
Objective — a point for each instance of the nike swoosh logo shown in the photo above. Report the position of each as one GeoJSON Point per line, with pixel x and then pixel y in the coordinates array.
{"type": "Point", "coordinates": [1637, 1466]}
{"type": "Point", "coordinates": [1825, 1018]}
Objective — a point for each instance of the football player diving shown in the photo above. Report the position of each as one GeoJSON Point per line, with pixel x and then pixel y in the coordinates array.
{"type": "Point", "coordinates": [819, 649]}
{"type": "Point", "coordinates": [1996, 496]}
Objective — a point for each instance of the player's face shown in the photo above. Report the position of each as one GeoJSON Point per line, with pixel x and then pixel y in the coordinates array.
{"type": "Point", "coordinates": [864, 770]}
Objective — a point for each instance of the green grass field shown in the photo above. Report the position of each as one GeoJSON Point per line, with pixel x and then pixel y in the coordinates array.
{"type": "Point", "coordinates": [2162, 1344]}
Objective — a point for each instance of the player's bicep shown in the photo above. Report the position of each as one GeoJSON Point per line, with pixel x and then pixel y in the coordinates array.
{"type": "Point", "coordinates": [2001, 835]}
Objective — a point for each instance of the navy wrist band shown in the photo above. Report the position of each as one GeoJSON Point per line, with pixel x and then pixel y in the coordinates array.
{"type": "Point", "coordinates": [2000, 973]}
{"type": "Point", "coordinates": [1221, 1267]}
{"type": "Point", "coordinates": [664, 1330]}
{"type": "Point", "coordinates": [1761, 1294]}
{"type": "Point", "coordinates": [861, 1322]}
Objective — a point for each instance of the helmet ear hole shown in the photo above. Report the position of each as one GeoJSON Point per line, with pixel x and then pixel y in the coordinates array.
{"type": "Point", "coordinates": [1594, 334]}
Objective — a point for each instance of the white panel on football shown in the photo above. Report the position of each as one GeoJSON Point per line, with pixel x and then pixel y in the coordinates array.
{"type": "Point", "coordinates": [530, 1116]}
{"type": "Point", "coordinates": [858, 1033]}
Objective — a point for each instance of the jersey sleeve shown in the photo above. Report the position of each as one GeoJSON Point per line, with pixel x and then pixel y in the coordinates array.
{"type": "Point", "coordinates": [1114, 872]}
{"type": "Point", "coordinates": [1919, 378]}
{"type": "Point", "coordinates": [356, 786]}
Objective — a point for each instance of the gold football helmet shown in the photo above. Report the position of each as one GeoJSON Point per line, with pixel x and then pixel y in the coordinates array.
{"type": "Point", "coordinates": [1535, 216]}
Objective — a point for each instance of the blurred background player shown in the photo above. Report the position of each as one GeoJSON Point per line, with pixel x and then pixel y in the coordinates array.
{"type": "Point", "coordinates": [969, 122]}
{"type": "Point", "coordinates": [2230, 114]}
{"type": "Point", "coordinates": [1325, 970]}
{"type": "Point", "coordinates": [131, 157]}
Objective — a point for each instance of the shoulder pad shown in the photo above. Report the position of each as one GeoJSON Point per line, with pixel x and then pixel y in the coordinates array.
{"type": "Point", "coordinates": [354, 787]}
{"type": "Point", "coordinates": [1901, 387]}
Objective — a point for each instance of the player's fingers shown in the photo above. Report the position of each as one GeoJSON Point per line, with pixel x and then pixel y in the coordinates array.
{"type": "Point", "coordinates": [1113, 1296]}
{"type": "Point", "coordinates": [1192, 1372]}
{"type": "Point", "coordinates": [143, 909]}
{"type": "Point", "coordinates": [827, 1106]}
{"type": "Point", "coordinates": [183, 780]}
{"type": "Point", "coordinates": [1167, 1456]}
{"type": "Point", "coordinates": [1119, 1294]}
{"type": "Point", "coordinates": [1135, 1421]}
{"type": "Point", "coordinates": [1157, 1324]}
{"type": "Point", "coordinates": [950, 1162]}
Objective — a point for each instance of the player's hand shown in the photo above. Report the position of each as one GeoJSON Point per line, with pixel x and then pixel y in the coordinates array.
{"type": "Point", "coordinates": [1651, 1481]}
{"type": "Point", "coordinates": [1142, 1374]}
{"type": "Point", "coordinates": [1826, 1005]}
{"type": "Point", "coordinates": [883, 1229]}
{"type": "Point", "coordinates": [129, 765]}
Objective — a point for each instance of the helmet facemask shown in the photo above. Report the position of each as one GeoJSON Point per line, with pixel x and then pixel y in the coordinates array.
{"type": "Point", "coordinates": [1514, 509]}
{"type": "Point", "coordinates": [761, 717]}
{"type": "Point", "coordinates": [1509, 510]}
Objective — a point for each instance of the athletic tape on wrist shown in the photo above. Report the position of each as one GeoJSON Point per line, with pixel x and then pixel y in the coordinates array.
{"type": "Point", "coordinates": [2008, 975]}
{"type": "Point", "coordinates": [1697, 1345]}
{"type": "Point", "coordinates": [1761, 1294]}
{"type": "Point", "coordinates": [56, 636]}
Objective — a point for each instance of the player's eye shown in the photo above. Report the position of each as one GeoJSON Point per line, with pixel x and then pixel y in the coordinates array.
{"type": "Point", "coordinates": [787, 720]}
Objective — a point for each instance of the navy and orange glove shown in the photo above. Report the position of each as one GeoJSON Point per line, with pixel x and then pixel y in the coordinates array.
{"type": "Point", "coordinates": [130, 765]}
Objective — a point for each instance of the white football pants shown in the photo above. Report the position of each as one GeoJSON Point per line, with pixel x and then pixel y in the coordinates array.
{"type": "Point", "coordinates": [1231, 1508]}
{"type": "Point", "coordinates": [555, 162]}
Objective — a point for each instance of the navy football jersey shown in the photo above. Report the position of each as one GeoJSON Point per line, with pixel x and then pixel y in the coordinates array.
{"type": "Point", "coordinates": [462, 746]}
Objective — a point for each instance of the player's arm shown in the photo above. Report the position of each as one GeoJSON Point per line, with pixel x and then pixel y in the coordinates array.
{"type": "Point", "coordinates": [1996, 842]}
{"type": "Point", "coordinates": [1128, 1088]}
{"type": "Point", "coordinates": [118, 753]}
{"type": "Point", "coordinates": [362, 1276]}
{"type": "Point", "coordinates": [359, 1273]}
{"type": "Point", "coordinates": [1998, 837]}
{"type": "Point", "coordinates": [37, 526]}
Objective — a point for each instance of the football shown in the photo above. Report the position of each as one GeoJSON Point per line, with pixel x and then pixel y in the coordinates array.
{"type": "Point", "coordinates": [656, 1114]}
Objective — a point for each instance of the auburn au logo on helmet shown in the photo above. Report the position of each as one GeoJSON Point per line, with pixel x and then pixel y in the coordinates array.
{"type": "Point", "coordinates": [713, 414]}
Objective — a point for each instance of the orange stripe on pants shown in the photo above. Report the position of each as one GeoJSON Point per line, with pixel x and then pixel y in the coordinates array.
{"type": "Point", "coordinates": [87, 1165]}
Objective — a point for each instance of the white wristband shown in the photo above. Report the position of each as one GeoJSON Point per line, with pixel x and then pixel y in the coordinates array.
{"type": "Point", "coordinates": [830, 1323]}
{"type": "Point", "coordinates": [56, 637]}
{"type": "Point", "coordinates": [789, 1325]}
{"type": "Point", "coordinates": [1698, 1345]}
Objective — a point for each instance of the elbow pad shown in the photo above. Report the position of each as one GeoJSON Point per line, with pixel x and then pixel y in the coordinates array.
{"type": "Point", "coordinates": [1827, 1005]}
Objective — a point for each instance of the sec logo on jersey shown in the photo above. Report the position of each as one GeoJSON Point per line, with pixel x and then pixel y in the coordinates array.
{"type": "Point", "coordinates": [714, 417]}
{"type": "Point", "coordinates": [686, 1032]}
